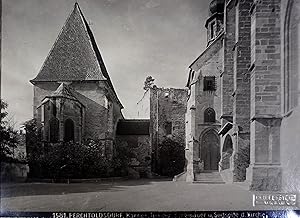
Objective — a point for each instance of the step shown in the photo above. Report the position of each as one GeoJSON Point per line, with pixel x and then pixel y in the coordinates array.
{"type": "Point", "coordinates": [209, 178]}
{"type": "Point", "coordinates": [209, 182]}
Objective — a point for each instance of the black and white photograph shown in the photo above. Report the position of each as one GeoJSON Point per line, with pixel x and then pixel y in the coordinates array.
{"type": "Point", "coordinates": [150, 106]}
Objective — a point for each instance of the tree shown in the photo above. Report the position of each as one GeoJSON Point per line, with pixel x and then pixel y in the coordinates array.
{"type": "Point", "coordinates": [148, 82]}
{"type": "Point", "coordinates": [8, 136]}
{"type": "Point", "coordinates": [34, 147]}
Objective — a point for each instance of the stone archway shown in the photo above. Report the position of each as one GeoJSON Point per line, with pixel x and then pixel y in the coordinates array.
{"type": "Point", "coordinates": [210, 150]}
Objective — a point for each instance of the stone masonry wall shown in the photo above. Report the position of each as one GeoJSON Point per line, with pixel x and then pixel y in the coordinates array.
{"type": "Point", "coordinates": [241, 96]}
{"type": "Point", "coordinates": [264, 171]}
{"type": "Point", "coordinates": [167, 105]}
{"type": "Point", "coordinates": [227, 76]}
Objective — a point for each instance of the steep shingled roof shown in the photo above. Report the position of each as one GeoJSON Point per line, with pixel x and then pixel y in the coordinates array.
{"type": "Point", "coordinates": [74, 55]}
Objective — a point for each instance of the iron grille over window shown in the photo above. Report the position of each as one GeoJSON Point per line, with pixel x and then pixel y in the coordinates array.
{"type": "Point", "coordinates": [209, 83]}
{"type": "Point", "coordinates": [209, 115]}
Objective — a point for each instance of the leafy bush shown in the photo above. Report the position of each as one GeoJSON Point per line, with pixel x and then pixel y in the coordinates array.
{"type": "Point", "coordinates": [171, 157]}
{"type": "Point", "coordinates": [74, 160]}
{"type": "Point", "coordinates": [121, 158]}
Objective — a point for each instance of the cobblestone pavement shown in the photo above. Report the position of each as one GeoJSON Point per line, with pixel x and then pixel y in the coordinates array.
{"type": "Point", "coordinates": [139, 195]}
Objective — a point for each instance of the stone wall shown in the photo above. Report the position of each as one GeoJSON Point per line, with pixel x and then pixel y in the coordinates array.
{"type": "Point", "coordinates": [227, 75]}
{"type": "Point", "coordinates": [167, 105]}
{"type": "Point", "coordinates": [264, 171]}
{"type": "Point", "coordinates": [241, 85]}
{"type": "Point", "coordinates": [101, 111]}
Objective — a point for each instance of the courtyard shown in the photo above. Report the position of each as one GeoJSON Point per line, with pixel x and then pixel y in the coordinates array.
{"type": "Point", "coordinates": [125, 195]}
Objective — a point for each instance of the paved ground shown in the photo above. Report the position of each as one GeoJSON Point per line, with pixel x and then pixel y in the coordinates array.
{"type": "Point", "coordinates": [141, 195]}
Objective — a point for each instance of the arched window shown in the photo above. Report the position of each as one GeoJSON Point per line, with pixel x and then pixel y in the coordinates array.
{"type": "Point", "coordinates": [54, 130]}
{"type": "Point", "coordinates": [292, 57]}
{"type": "Point", "coordinates": [209, 115]}
{"type": "Point", "coordinates": [69, 130]}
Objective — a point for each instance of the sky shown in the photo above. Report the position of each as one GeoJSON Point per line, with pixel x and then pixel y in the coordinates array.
{"type": "Point", "coordinates": [136, 38]}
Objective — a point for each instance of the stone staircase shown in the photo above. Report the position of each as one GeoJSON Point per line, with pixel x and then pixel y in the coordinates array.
{"type": "Point", "coordinates": [209, 177]}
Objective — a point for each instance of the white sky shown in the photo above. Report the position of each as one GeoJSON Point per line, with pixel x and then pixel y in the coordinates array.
{"type": "Point", "coordinates": [136, 38]}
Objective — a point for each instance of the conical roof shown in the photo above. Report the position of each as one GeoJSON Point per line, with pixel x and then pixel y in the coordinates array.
{"type": "Point", "coordinates": [74, 55]}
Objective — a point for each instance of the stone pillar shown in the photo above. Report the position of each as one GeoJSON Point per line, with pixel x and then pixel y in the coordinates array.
{"type": "Point", "coordinates": [191, 145]}
{"type": "Point", "coordinates": [264, 172]}
{"type": "Point", "coordinates": [241, 94]}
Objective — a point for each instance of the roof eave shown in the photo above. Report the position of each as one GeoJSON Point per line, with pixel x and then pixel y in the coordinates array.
{"type": "Point", "coordinates": [207, 48]}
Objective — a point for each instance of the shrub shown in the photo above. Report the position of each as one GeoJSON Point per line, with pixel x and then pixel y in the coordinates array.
{"type": "Point", "coordinates": [171, 157]}
{"type": "Point", "coordinates": [8, 136]}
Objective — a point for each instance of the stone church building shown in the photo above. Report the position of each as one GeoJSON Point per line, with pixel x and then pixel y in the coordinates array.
{"type": "Point", "coordinates": [238, 116]}
{"type": "Point", "coordinates": [73, 95]}
{"type": "Point", "coordinates": [243, 109]}
{"type": "Point", "coordinates": [74, 100]}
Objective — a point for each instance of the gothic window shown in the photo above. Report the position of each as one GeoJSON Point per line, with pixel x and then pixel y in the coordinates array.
{"type": "Point", "coordinates": [54, 130]}
{"type": "Point", "coordinates": [209, 115]}
{"type": "Point", "coordinates": [209, 83]}
{"type": "Point", "coordinates": [292, 78]}
{"type": "Point", "coordinates": [168, 127]}
{"type": "Point", "coordinates": [69, 130]}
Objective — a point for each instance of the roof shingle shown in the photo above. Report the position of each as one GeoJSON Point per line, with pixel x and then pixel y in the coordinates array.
{"type": "Point", "coordinates": [73, 55]}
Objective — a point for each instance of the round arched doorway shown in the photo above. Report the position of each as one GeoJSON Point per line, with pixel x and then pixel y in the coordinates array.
{"type": "Point", "coordinates": [210, 150]}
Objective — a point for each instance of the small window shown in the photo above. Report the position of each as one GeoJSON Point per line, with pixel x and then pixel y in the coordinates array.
{"type": "Point", "coordinates": [168, 128]}
{"type": "Point", "coordinates": [209, 115]}
{"type": "Point", "coordinates": [209, 83]}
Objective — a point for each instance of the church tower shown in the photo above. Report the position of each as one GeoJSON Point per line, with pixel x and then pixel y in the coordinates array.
{"type": "Point", "coordinates": [214, 23]}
